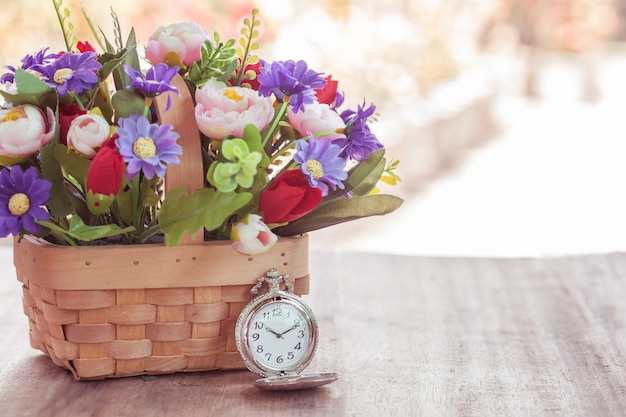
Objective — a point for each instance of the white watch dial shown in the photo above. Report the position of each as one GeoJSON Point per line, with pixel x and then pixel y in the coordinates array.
{"type": "Point", "coordinates": [280, 336]}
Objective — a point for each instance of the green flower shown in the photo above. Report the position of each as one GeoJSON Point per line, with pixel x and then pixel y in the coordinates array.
{"type": "Point", "coordinates": [241, 169]}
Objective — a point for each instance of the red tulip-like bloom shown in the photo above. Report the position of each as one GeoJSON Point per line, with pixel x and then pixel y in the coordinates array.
{"type": "Point", "coordinates": [105, 176]}
{"type": "Point", "coordinates": [288, 198]}
{"type": "Point", "coordinates": [328, 93]}
{"type": "Point", "coordinates": [85, 47]}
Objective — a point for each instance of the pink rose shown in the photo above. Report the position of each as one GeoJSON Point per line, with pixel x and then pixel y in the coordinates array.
{"type": "Point", "coordinates": [182, 39]}
{"type": "Point", "coordinates": [222, 110]}
{"type": "Point", "coordinates": [24, 130]}
{"type": "Point", "coordinates": [87, 133]}
{"type": "Point", "coordinates": [317, 119]}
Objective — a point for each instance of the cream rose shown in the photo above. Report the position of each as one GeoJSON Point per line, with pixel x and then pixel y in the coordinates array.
{"type": "Point", "coordinates": [87, 133]}
{"type": "Point", "coordinates": [222, 110]}
{"type": "Point", "coordinates": [24, 130]}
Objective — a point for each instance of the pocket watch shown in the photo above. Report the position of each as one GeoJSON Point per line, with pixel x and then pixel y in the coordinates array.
{"type": "Point", "coordinates": [276, 335]}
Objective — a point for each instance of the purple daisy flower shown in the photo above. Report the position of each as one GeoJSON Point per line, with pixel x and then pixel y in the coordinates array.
{"type": "Point", "coordinates": [291, 81]}
{"type": "Point", "coordinates": [156, 81]}
{"type": "Point", "coordinates": [75, 72]}
{"type": "Point", "coordinates": [359, 141]}
{"type": "Point", "coordinates": [320, 161]}
{"type": "Point", "coordinates": [22, 193]}
{"type": "Point", "coordinates": [147, 147]}
{"type": "Point", "coordinates": [27, 62]}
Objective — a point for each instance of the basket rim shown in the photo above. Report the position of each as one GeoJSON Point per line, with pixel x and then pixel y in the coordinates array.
{"type": "Point", "coordinates": [213, 263]}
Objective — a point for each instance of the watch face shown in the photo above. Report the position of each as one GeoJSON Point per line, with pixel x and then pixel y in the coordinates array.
{"type": "Point", "coordinates": [279, 336]}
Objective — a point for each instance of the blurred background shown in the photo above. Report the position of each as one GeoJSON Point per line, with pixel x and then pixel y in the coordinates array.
{"type": "Point", "coordinates": [507, 116]}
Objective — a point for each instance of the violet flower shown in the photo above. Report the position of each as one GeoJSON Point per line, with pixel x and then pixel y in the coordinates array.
{"type": "Point", "coordinates": [71, 72]}
{"type": "Point", "coordinates": [22, 193]}
{"type": "Point", "coordinates": [290, 81]}
{"type": "Point", "coordinates": [147, 147]}
{"type": "Point", "coordinates": [27, 62]}
{"type": "Point", "coordinates": [156, 81]}
{"type": "Point", "coordinates": [359, 141]}
{"type": "Point", "coordinates": [320, 161]}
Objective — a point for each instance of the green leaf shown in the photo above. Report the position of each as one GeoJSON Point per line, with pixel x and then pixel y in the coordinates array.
{"type": "Point", "coordinates": [369, 183]}
{"type": "Point", "coordinates": [206, 208]}
{"type": "Point", "coordinates": [253, 139]}
{"type": "Point", "coordinates": [132, 57]}
{"type": "Point", "coordinates": [126, 103]}
{"type": "Point", "coordinates": [59, 204]}
{"type": "Point", "coordinates": [93, 27]}
{"type": "Point", "coordinates": [80, 231]}
{"type": "Point", "coordinates": [113, 58]}
{"type": "Point", "coordinates": [341, 211]}
{"type": "Point", "coordinates": [124, 202]}
{"type": "Point", "coordinates": [28, 83]}
{"type": "Point", "coordinates": [74, 164]}
{"type": "Point", "coordinates": [112, 61]}
{"type": "Point", "coordinates": [359, 173]}
{"type": "Point", "coordinates": [31, 90]}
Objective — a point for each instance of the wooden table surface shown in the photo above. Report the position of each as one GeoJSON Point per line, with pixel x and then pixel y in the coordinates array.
{"type": "Point", "coordinates": [410, 336]}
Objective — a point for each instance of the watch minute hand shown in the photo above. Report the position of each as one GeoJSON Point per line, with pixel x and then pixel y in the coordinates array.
{"type": "Point", "coordinates": [290, 329]}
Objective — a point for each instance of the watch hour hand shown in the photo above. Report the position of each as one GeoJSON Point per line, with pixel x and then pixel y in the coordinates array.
{"type": "Point", "coordinates": [278, 335]}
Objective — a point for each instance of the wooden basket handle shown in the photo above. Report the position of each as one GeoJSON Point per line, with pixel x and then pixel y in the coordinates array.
{"type": "Point", "coordinates": [189, 171]}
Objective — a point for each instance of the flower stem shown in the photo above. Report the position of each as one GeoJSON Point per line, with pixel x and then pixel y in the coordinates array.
{"type": "Point", "coordinates": [148, 233]}
{"type": "Point", "coordinates": [134, 192]}
{"type": "Point", "coordinates": [117, 215]}
{"type": "Point", "coordinates": [282, 151]}
{"type": "Point", "coordinates": [146, 109]}
{"type": "Point", "coordinates": [279, 115]}
{"type": "Point", "coordinates": [77, 99]}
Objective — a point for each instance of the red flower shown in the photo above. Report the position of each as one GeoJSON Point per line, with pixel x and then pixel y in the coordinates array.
{"type": "Point", "coordinates": [66, 115]}
{"type": "Point", "coordinates": [288, 198]}
{"type": "Point", "coordinates": [106, 171]}
{"type": "Point", "coordinates": [327, 94]}
{"type": "Point", "coordinates": [85, 47]}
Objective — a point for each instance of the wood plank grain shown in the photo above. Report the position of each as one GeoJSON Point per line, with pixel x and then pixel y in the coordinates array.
{"type": "Point", "coordinates": [410, 336]}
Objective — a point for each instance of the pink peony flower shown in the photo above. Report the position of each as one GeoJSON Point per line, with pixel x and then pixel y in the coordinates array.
{"type": "Point", "coordinates": [24, 130]}
{"type": "Point", "coordinates": [252, 236]}
{"type": "Point", "coordinates": [183, 39]}
{"type": "Point", "coordinates": [317, 118]}
{"type": "Point", "coordinates": [222, 110]}
{"type": "Point", "coordinates": [87, 133]}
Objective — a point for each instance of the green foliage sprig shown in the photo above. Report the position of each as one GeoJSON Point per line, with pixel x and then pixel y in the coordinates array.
{"type": "Point", "coordinates": [247, 44]}
{"type": "Point", "coordinates": [216, 60]}
{"type": "Point", "coordinates": [63, 14]}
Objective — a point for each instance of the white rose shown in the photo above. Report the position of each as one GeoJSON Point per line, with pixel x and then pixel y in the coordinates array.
{"type": "Point", "coordinates": [252, 236]}
{"type": "Point", "coordinates": [87, 133]}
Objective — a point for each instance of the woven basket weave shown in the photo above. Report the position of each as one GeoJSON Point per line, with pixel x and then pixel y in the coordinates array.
{"type": "Point", "coordinates": [114, 311]}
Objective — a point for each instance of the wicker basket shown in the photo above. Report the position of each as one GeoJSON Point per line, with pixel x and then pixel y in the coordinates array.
{"type": "Point", "coordinates": [114, 311]}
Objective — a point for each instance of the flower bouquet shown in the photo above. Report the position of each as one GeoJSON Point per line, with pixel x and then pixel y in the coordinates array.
{"type": "Point", "coordinates": [211, 147]}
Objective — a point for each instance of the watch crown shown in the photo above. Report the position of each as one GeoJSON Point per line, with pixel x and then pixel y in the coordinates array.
{"type": "Point", "coordinates": [273, 278]}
